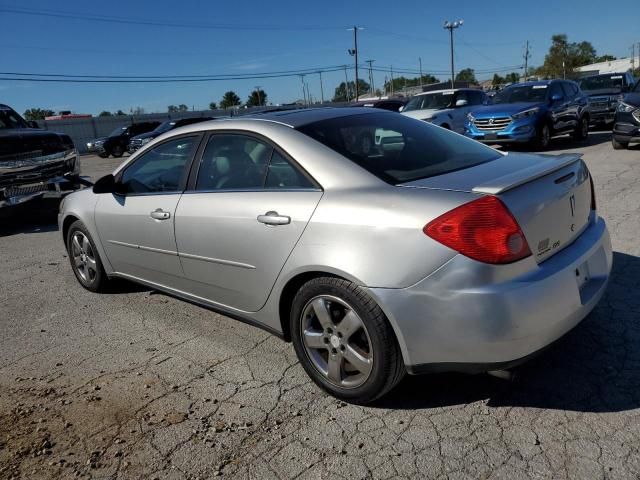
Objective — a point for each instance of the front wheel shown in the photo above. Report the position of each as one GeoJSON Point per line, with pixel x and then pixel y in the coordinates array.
{"type": "Point", "coordinates": [618, 145]}
{"type": "Point", "coordinates": [117, 151]}
{"type": "Point", "coordinates": [344, 341]}
{"type": "Point", "coordinates": [543, 137]}
{"type": "Point", "coordinates": [84, 258]}
{"type": "Point", "coordinates": [582, 130]}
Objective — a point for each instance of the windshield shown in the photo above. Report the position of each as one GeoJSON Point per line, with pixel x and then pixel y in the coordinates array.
{"type": "Point", "coordinates": [398, 149]}
{"type": "Point", "coordinates": [603, 82]}
{"type": "Point", "coordinates": [164, 126]}
{"type": "Point", "coordinates": [430, 101]}
{"type": "Point", "coordinates": [117, 132]}
{"type": "Point", "coordinates": [521, 93]}
{"type": "Point", "coordinates": [10, 119]}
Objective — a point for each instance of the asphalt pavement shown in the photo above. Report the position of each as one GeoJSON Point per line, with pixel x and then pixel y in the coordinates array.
{"type": "Point", "coordinates": [137, 384]}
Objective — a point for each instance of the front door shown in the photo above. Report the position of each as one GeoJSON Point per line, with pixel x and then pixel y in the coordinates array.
{"type": "Point", "coordinates": [136, 224]}
{"type": "Point", "coordinates": [237, 226]}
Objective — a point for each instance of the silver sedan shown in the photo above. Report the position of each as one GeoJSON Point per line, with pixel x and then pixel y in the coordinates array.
{"type": "Point", "coordinates": [420, 251]}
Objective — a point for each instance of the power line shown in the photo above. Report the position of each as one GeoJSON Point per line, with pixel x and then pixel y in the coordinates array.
{"type": "Point", "coordinates": [154, 23]}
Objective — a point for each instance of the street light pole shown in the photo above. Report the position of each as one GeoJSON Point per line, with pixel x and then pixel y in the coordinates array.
{"type": "Point", "coordinates": [450, 26]}
{"type": "Point", "coordinates": [321, 87]}
{"type": "Point", "coordinates": [420, 61]}
{"type": "Point", "coordinates": [346, 83]}
{"type": "Point", "coordinates": [304, 93]}
{"type": "Point", "coordinates": [258, 95]}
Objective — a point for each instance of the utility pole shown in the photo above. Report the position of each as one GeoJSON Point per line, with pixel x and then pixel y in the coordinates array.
{"type": "Point", "coordinates": [391, 80]}
{"type": "Point", "coordinates": [633, 57]}
{"type": "Point", "coordinates": [346, 82]}
{"type": "Point", "coordinates": [304, 93]}
{"type": "Point", "coordinates": [420, 62]}
{"type": "Point", "coordinates": [527, 55]}
{"type": "Point", "coordinates": [258, 94]}
{"type": "Point", "coordinates": [354, 52]}
{"type": "Point", "coordinates": [321, 87]}
{"type": "Point", "coordinates": [450, 26]}
{"type": "Point", "coordinates": [371, 87]}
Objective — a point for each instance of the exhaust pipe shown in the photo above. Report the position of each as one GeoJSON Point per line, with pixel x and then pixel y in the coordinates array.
{"type": "Point", "coordinates": [503, 375]}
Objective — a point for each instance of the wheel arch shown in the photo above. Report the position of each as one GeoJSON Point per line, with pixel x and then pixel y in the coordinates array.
{"type": "Point", "coordinates": [66, 225]}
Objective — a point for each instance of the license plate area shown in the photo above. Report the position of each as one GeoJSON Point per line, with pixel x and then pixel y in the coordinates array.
{"type": "Point", "coordinates": [490, 136]}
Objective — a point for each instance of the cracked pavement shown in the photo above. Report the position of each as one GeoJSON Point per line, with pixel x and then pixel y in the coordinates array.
{"type": "Point", "coordinates": [137, 384]}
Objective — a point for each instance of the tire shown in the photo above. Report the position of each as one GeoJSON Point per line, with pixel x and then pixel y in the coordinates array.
{"type": "Point", "coordinates": [618, 145]}
{"type": "Point", "coordinates": [582, 130]}
{"type": "Point", "coordinates": [117, 151]}
{"type": "Point", "coordinates": [543, 137]}
{"type": "Point", "coordinates": [353, 329]}
{"type": "Point", "coordinates": [84, 258]}
{"type": "Point", "coordinates": [103, 154]}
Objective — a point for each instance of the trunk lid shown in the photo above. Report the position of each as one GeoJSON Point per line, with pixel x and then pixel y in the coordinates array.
{"type": "Point", "coordinates": [549, 195]}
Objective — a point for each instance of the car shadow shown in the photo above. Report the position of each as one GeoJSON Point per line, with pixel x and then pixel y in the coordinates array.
{"type": "Point", "coordinates": [38, 216]}
{"type": "Point", "coordinates": [595, 368]}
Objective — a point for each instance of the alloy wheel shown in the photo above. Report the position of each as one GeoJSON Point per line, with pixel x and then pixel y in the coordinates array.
{"type": "Point", "coordinates": [83, 257]}
{"type": "Point", "coordinates": [336, 341]}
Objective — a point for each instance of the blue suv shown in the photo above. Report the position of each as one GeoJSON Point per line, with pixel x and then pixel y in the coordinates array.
{"type": "Point", "coordinates": [531, 112]}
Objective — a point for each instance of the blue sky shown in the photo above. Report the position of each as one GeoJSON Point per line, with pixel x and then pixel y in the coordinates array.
{"type": "Point", "coordinates": [492, 37]}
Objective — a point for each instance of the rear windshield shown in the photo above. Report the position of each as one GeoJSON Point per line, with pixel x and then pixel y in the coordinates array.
{"type": "Point", "coordinates": [438, 100]}
{"type": "Point", "coordinates": [398, 149]}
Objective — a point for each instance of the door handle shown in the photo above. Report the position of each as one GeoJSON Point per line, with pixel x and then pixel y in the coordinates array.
{"type": "Point", "coordinates": [272, 218]}
{"type": "Point", "coordinates": [159, 214]}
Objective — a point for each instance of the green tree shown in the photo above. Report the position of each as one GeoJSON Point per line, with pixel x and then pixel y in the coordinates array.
{"type": "Point", "coordinates": [604, 58]}
{"type": "Point", "coordinates": [497, 80]}
{"type": "Point", "coordinates": [183, 108]}
{"type": "Point", "coordinates": [340, 94]}
{"type": "Point", "coordinates": [513, 77]}
{"type": "Point", "coordinates": [564, 56]}
{"type": "Point", "coordinates": [172, 109]}
{"type": "Point", "coordinates": [213, 106]}
{"type": "Point", "coordinates": [257, 98]}
{"type": "Point", "coordinates": [466, 75]}
{"type": "Point", "coordinates": [230, 99]}
{"type": "Point", "coordinates": [120, 113]}
{"type": "Point", "coordinates": [401, 82]}
{"type": "Point", "coordinates": [105, 113]}
{"type": "Point", "coordinates": [37, 113]}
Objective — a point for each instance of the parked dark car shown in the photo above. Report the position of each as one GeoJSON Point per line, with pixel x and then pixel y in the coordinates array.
{"type": "Point", "coordinates": [531, 112]}
{"type": "Point", "coordinates": [392, 104]}
{"type": "Point", "coordinates": [33, 162]}
{"type": "Point", "coordinates": [139, 140]}
{"type": "Point", "coordinates": [604, 94]}
{"type": "Point", "coordinates": [116, 143]}
{"type": "Point", "coordinates": [626, 122]}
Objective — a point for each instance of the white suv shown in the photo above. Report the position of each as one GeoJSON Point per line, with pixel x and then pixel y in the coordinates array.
{"type": "Point", "coordinates": [445, 108]}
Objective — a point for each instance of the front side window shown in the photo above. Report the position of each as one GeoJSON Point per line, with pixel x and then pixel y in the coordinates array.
{"type": "Point", "coordinates": [405, 150]}
{"type": "Point", "coordinates": [160, 169]}
{"type": "Point", "coordinates": [10, 119]}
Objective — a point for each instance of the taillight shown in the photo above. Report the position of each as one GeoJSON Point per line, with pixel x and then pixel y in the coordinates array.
{"type": "Point", "coordinates": [483, 229]}
{"type": "Point", "coordinates": [593, 193]}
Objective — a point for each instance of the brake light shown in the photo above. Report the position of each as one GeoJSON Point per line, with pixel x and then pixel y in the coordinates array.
{"type": "Point", "coordinates": [483, 229]}
{"type": "Point", "coordinates": [593, 193]}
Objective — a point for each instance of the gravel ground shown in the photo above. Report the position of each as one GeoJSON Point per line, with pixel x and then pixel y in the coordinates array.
{"type": "Point", "coordinates": [136, 384]}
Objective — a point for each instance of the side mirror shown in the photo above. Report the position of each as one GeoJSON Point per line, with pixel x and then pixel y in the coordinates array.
{"type": "Point", "coordinates": [556, 98]}
{"type": "Point", "coordinates": [401, 108]}
{"type": "Point", "coordinates": [106, 184]}
{"type": "Point", "coordinates": [33, 124]}
{"type": "Point", "coordinates": [461, 103]}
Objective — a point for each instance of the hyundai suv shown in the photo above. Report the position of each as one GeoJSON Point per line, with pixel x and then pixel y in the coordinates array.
{"type": "Point", "coordinates": [626, 123]}
{"type": "Point", "coordinates": [531, 113]}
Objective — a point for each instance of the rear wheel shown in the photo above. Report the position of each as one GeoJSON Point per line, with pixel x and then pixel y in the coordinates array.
{"type": "Point", "coordinates": [582, 130]}
{"type": "Point", "coordinates": [543, 137]}
{"type": "Point", "coordinates": [84, 258]}
{"type": "Point", "coordinates": [344, 341]}
{"type": "Point", "coordinates": [618, 145]}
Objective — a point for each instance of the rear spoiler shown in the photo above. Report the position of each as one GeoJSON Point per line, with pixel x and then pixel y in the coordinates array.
{"type": "Point", "coordinates": [546, 166]}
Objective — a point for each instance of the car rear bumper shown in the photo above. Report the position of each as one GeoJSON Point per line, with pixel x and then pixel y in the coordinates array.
{"type": "Point", "coordinates": [469, 316]}
{"type": "Point", "coordinates": [626, 132]}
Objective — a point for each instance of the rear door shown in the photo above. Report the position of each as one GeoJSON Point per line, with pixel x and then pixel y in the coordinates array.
{"type": "Point", "coordinates": [559, 108]}
{"type": "Point", "coordinates": [240, 219]}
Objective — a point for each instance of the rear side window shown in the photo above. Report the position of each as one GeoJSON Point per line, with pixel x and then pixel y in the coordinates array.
{"type": "Point", "coordinates": [398, 149]}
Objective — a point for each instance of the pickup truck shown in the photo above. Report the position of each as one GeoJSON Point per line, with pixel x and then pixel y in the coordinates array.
{"type": "Point", "coordinates": [34, 163]}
